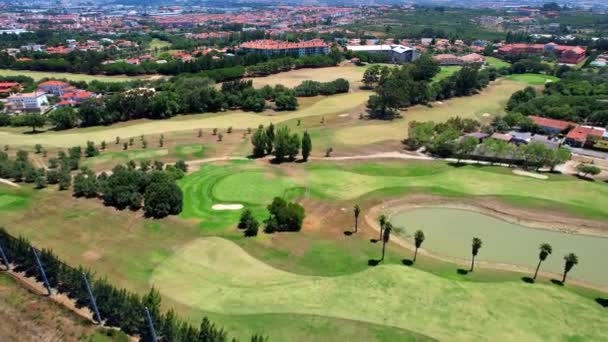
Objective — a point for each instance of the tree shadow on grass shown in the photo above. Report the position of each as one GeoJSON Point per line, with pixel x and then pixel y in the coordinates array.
{"type": "Point", "coordinates": [373, 262]}
{"type": "Point", "coordinates": [585, 178]}
{"type": "Point", "coordinates": [38, 131]}
{"type": "Point", "coordinates": [373, 240]}
{"type": "Point", "coordinates": [407, 262]}
{"type": "Point", "coordinates": [602, 301]}
{"type": "Point", "coordinates": [527, 280]}
{"type": "Point", "coordinates": [454, 164]}
{"type": "Point", "coordinates": [557, 282]}
{"type": "Point", "coordinates": [348, 233]}
{"type": "Point", "coordinates": [462, 271]}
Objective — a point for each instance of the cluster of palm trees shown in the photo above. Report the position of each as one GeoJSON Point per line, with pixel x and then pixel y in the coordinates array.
{"type": "Point", "coordinates": [385, 234]}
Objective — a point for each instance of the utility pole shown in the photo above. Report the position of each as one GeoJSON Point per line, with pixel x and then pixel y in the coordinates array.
{"type": "Point", "coordinates": [42, 273]}
{"type": "Point", "coordinates": [151, 326]}
{"type": "Point", "coordinates": [92, 298]}
{"type": "Point", "coordinates": [4, 259]}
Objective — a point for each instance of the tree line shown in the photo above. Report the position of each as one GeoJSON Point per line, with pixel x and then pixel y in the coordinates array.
{"type": "Point", "coordinates": [281, 143]}
{"type": "Point", "coordinates": [117, 307]}
{"type": "Point", "coordinates": [448, 140]}
{"type": "Point", "coordinates": [151, 186]}
{"type": "Point", "coordinates": [578, 97]}
{"type": "Point", "coordinates": [411, 84]}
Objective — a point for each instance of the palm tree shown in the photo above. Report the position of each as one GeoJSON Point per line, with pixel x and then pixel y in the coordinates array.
{"type": "Point", "coordinates": [545, 250]}
{"type": "Point", "coordinates": [382, 220]}
{"type": "Point", "coordinates": [475, 246]}
{"type": "Point", "coordinates": [418, 240]}
{"type": "Point", "coordinates": [387, 236]}
{"type": "Point", "coordinates": [357, 211]}
{"type": "Point", "coordinates": [571, 260]}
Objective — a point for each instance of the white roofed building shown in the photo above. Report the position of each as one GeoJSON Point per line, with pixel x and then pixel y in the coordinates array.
{"type": "Point", "coordinates": [397, 53]}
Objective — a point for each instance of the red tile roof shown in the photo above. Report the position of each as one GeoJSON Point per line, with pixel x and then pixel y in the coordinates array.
{"type": "Point", "coordinates": [269, 44]}
{"type": "Point", "coordinates": [580, 133]}
{"type": "Point", "coordinates": [53, 84]}
{"type": "Point", "coordinates": [552, 123]}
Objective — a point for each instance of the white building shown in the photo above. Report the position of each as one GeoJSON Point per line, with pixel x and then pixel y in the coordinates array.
{"type": "Point", "coordinates": [397, 53]}
{"type": "Point", "coordinates": [27, 102]}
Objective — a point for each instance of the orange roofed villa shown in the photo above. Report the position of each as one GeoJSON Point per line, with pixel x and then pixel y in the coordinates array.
{"type": "Point", "coordinates": [564, 53]}
{"type": "Point", "coordinates": [271, 47]}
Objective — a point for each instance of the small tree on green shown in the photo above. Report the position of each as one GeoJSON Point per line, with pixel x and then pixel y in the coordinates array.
{"type": "Point", "coordinates": [220, 137]}
{"type": "Point", "coordinates": [131, 141]}
{"type": "Point", "coordinates": [588, 169]}
{"type": "Point", "coordinates": [161, 141]}
{"type": "Point", "coordinates": [91, 150]}
{"type": "Point", "coordinates": [65, 180]}
{"type": "Point", "coordinates": [215, 131]}
{"type": "Point", "coordinates": [229, 130]}
{"type": "Point", "coordinates": [38, 148]}
{"type": "Point", "coordinates": [571, 260]}
{"type": "Point", "coordinates": [356, 212]}
{"type": "Point", "coordinates": [125, 146]}
{"type": "Point", "coordinates": [386, 236]}
{"type": "Point", "coordinates": [382, 221]}
{"type": "Point", "coordinates": [418, 240]}
{"type": "Point", "coordinates": [545, 251]}
{"type": "Point", "coordinates": [144, 143]}
{"type": "Point", "coordinates": [103, 145]}
{"type": "Point", "coordinates": [258, 140]}
{"type": "Point", "coordinates": [306, 146]}
{"type": "Point", "coordinates": [475, 247]}
{"type": "Point", "coordinates": [181, 165]}
{"type": "Point", "coordinates": [117, 141]}
{"type": "Point", "coordinates": [40, 182]}
{"type": "Point", "coordinates": [252, 227]}
{"type": "Point", "coordinates": [200, 133]}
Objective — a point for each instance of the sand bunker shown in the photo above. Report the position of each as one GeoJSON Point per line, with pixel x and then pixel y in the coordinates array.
{"type": "Point", "coordinates": [529, 174]}
{"type": "Point", "coordinates": [227, 207]}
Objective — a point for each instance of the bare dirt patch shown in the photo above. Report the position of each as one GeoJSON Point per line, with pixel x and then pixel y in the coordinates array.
{"type": "Point", "coordinates": [92, 255]}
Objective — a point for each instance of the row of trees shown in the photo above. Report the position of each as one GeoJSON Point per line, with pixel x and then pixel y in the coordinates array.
{"type": "Point", "coordinates": [181, 96]}
{"type": "Point", "coordinates": [281, 143]}
{"type": "Point", "coordinates": [314, 88]}
{"type": "Point", "coordinates": [277, 65]}
{"type": "Point", "coordinates": [386, 228]}
{"type": "Point", "coordinates": [117, 307]}
{"type": "Point", "coordinates": [129, 186]}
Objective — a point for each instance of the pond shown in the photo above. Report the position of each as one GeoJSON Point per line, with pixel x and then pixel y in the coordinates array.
{"type": "Point", "coordinates": [449, 232]}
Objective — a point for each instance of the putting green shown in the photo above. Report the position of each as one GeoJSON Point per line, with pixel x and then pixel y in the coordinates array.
{"type": "Point", "coordinates": [255, 184]}
{"type": "Point", "coordinates": [218, 276]}
{"type": "Point", "coordinates": [532, 79]}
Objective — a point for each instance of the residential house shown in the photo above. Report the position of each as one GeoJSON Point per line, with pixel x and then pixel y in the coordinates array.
{"type": "Point", "coordinates": [502, 136]}
{"type": "Point", "coordinates": [27, 102]}
{"type": "Point", "coordinates": [581, 136]}
{"type": "Point", "coordinates": [74, 98]}
{"type": "Point", "coordinates": [9, 87]}
{"type": "Point", "coordinates": [552, 126]}
{"type": "Point", "coordinates": [54, 87]}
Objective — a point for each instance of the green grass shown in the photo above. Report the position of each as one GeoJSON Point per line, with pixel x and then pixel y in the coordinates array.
{"type": "Point", "coordinates": [225, 279]}
{"type": "Point", "coordinates": [445, 72]}
{"type": "Point", "coordinates": [252, 184]}
{"type": "Point", "coordinates": [159, 44]}
{"type": "Point", "coordinates": [306, 286]}
{"type": "Point", "coordinates": [491, 102]}
{"type": "Point", "coordinates": [38, 75]}
{"type": "Point", "coordinates": [330, 105]}
{"type": "Point", "coordinates": [532, 79]}
{"type": "Point", "coordinates": [497, 63]}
